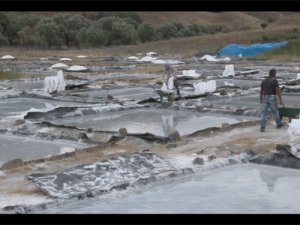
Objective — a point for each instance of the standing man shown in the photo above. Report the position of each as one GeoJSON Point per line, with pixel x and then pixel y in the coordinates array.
{"type": "Point", "coordinates": [170, 72]}
{"type": "Point", "coordinates": [269, 91]}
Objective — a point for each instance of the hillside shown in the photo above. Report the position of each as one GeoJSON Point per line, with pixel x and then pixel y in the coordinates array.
{"type": "Point", "coordinates": [233, 20]}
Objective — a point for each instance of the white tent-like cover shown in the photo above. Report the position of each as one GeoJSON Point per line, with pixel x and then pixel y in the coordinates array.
{"type": "Point", "coordinates": [132, 58]}
{"type": "Point", "coordinates": [151, 53]}
{"type": "Point", "coordinates": [65, 59]}
{"type": "Point", "coordinates": [59, 66]}
{"type": "Point", "coordinates": [7, 57]}
{"type": "Point", "coordinates": [76, 68]}
{"type": "Point", "coordinates": [147, 59]}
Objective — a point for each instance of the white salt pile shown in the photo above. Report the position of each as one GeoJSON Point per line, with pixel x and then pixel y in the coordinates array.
{"type": "Point", "coordinates": [210, 58]}
{"type": "Point", "coordinates": [228, 71]}
{"type": "Point", "coordinates": [294, 128]}
{"type": "Point", "coordinates": [55, 83]}
{"type": "Point", "coordinates": [203, 87]}
{"type": "Point", "coordinates": [294, 133]}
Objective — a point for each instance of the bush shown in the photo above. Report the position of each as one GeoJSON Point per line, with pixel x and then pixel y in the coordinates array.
{"type": "Point", "coordinates": [186, 32]}
{"type": "Point", "coordinates": [167, 31]}
{"type": "Point", "coordinates": [264, 25]}
{"type": "Point", "coordinates": [146, 32]}
{"type": "Point", "coordinates": [17, 21]}
{"type": "Point", "coordinates": [69, 25]}
{"type": "Point", "coordinates": [3, 40]}
{"type": "Point", "coordinates": [50, 33]}
{"type": "Point", "coordinates": [124, 15]}
{"type": "Point", "coordinates": [290, 49]}
{"type": "Point", "coordinates": [96, 38]}
{"type": "Point", "coordinates": [276, 38]}
{"type": "Point", "coordinates": [117, 30]}
{"type": "Point", "coordinates": [29, 37]}
{"type": "Point", "coordinates": [4, 22]}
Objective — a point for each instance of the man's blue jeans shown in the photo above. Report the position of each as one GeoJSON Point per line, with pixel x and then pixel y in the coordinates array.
{"type": "Point", "coordinates": [269, 101]}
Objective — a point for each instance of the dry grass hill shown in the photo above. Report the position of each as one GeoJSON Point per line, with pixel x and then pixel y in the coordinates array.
{"type": "Point", "coordinates": [232, 19]}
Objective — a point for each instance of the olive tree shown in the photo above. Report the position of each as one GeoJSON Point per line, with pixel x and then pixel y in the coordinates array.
{"type": "Point", "coordinates": [69, 25]}
{"type": "Point", "coordinates": [146, 32]}
{"type": "Point", "coordinates": [167, 31]}
{"type": "Point", "coordinates": [3, 40]}
{"type": "Point", "coordinates": [17, 21]}
{"type": "Point", "coordinates": [30, 37]}
{"type": "Point", "coordinates": [4, 23]}
{"type": "Point", "coordinates": [96, 38]}
{"type": "Point", "coordinates": [50, 32]}
{"type": "Point", "coordinates": [129, 15]}
{"type": "Point", "coordinates": [118, 31]}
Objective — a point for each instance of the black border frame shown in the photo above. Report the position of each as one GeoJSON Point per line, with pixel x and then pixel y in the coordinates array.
{"type": "Point", "coordinates": [150, 5]}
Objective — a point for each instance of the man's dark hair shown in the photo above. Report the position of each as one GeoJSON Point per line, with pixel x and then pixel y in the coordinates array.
{"type": "Point", "coordinates": [272, 73]}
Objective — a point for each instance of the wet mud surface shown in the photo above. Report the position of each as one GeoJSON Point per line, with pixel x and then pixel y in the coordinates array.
{"type": "Point", "coordinates": [112, 113]}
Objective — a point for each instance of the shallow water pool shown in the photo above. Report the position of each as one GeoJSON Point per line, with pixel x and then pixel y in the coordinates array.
{"type": "Point", "coordinates": [160, 122]}
{"type": "Point", "coordinates": [27, 148]}
{"type": "Point", "coordinates": [244, 188]}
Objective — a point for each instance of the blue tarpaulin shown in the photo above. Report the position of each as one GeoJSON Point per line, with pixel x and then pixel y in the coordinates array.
{"type": "Point", "coordinates": [248, 50]}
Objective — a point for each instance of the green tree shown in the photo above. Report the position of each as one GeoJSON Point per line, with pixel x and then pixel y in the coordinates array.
{"type": "Point", "coordinates": [50, 32]}
{"type": "Point", "coordinates": [186, 32]}
{"type": "Point", "coordinates": [196, 29]}
{"type": "Point", "coordinates": [30, 37]}
{"type": "Point", "coordinates": [146, 32]}
{"type": "Point", "coordinates": [264, 25]}
{"type": "Point", "coordinates": [118, 31]}
{"type": "Point", "coordinates": [69, 25]}
{"type": "Point", "coordinates": [179, 26]}
{"type": "Point", "coordinates": [3, 40]}
{"type": "Point", "coordinates": [17, 21]}
{"type": "Point", "coordinates": [131, 15]}
{"type": "Point", "coordinates": [4, 22]}
{"type": "Point", "coordinates": [96, 38]}
{"type": "Point", "coordinates": [167, 31]}
{"type": "Point", "coordinates": [81, 37]}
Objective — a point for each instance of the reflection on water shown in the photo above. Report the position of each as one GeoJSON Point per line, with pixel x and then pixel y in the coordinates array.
{"type": "Point", "coordinates": [156, 121]}
{"type": "Point", "coordinates": [243, 188]}
{"type": "Point", "coordinates": [270, 175]}
{"type": "Point", "coordinates": [169, 124]}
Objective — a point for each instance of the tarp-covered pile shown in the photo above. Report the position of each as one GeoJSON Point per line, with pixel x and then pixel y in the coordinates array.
{"type": "Point", "coordinates": [248, 50]}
